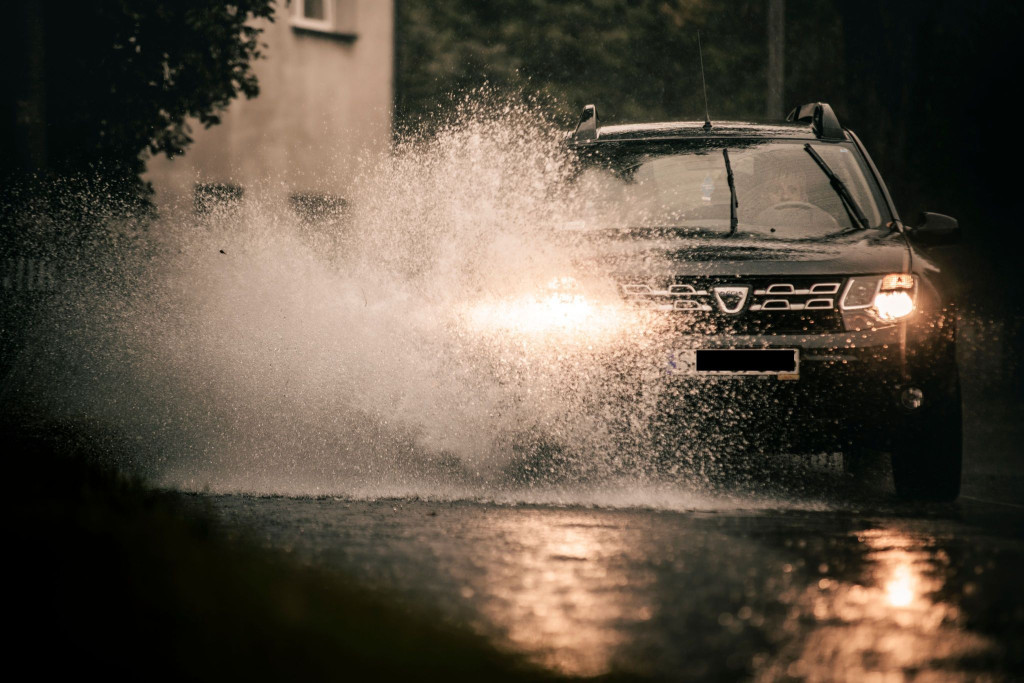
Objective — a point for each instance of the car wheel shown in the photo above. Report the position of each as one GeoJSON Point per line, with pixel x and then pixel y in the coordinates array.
{"type": "Point", "coordinates": [927, 458]}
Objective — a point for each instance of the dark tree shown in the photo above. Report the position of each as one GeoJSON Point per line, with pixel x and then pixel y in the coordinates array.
{"type": "Point", "coordinates": [95, 84]}
{"type": "Point", "coordinates": [636, 59]}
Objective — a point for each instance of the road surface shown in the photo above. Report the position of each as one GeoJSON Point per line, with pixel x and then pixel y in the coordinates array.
{"type": "Point", "coordinates": [696, 585]}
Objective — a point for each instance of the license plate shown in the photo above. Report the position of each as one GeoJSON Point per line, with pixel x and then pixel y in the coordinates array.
{"type": "Point", "coordinates": [784, 363]}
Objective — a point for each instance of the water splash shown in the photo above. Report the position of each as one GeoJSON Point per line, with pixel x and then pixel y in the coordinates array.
{"type": "Point", "coordinates": [446, 336]}
{"type": "Point", "coordinates": [425, 341]}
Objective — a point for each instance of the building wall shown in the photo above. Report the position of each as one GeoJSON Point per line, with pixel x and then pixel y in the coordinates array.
{"type": "Point", "coordinates": [325, 97]}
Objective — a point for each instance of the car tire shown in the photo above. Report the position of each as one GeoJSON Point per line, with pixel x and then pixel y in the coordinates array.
{"type": "Point", "coordinates": [857, 460]}
{"type": "Point", "coordinates": [927, 458]}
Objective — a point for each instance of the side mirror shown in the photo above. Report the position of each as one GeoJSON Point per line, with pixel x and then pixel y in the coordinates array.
{"type": "Point", "coordinates": [934, 229]}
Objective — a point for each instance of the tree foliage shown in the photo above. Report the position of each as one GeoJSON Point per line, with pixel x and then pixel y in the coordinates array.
{"type": "Point", "coordinates": [636, 59]}
{"type": "Point", "coordinates": [123, 76]}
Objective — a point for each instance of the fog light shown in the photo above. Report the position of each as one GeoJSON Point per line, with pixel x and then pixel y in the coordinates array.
{"type": "Point", "coordinates": [912, 398]}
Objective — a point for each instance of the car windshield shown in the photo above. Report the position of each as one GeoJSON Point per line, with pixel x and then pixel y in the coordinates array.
{"type": "Point", "coordinates": [781, 190]}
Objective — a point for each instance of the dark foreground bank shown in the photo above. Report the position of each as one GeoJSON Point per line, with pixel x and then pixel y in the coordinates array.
{"type": "Point", "coordinates": [115, 580]}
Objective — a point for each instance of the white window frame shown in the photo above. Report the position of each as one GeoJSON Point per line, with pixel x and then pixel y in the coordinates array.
{"type": "Point", "coordinates": [300, 19]}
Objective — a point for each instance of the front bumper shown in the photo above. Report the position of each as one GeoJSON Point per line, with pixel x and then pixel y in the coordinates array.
{"type": "Point", "coordinates": [848, 386]}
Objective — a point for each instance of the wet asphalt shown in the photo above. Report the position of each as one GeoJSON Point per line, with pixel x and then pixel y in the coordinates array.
{"type": "Point", "coordinates": [852, 585]}
{"type": "Point", "coordinates": [802, 576]}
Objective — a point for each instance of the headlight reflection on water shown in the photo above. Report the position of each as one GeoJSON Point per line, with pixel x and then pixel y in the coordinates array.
{"type": "Point", "coordinates": [563, 595]}
{"type": "Point", "coordinates": [902, 587]}
{"type": "Point", "coordinates": [893, 613]}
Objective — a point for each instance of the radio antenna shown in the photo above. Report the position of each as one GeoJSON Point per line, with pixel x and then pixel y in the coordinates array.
{"type": "Point", "coordinates": [700, 52]}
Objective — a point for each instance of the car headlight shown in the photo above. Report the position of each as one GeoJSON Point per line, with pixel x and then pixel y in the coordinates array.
{"type": "Point", "coordinates": [557, 307]}
{"type": "Point", "coordinates": [886, 298]}
{"type": "Point", "coordinates": [893, 305]}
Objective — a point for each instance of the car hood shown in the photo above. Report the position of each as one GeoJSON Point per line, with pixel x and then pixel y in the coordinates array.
{"type": "Point", "coordinates": [636, 255]}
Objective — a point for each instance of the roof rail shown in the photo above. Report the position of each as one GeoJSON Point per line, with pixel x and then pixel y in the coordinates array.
{"type": "Point", "coordinates": [586, 129]}
{"type": "Point", "coordinates": [823, 120]}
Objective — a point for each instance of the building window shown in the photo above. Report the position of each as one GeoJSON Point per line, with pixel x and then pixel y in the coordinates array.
{"type": "Point", "coordinates": [210, 198]}
{"type": "Point", "coordinates": [315, 10]}
{"type": "Point", "coordinates": [315, 15]}
{"type": "Point", "coordinates": [334, 17]}
{"type": "Point", "coordinates": [316, 208]}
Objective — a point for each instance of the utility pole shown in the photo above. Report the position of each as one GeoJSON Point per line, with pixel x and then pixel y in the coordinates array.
{"type": "Point", "coordinates": [776, 59]}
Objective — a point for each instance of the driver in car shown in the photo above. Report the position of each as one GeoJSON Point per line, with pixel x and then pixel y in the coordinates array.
{"type": "Point", "coordinates": [788, 210]}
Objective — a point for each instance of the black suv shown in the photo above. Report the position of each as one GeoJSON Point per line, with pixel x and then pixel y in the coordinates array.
{"type": "Point", "coordinates": [791, 289]}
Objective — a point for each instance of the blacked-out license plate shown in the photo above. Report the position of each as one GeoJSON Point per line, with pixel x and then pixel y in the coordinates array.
{"type": "Point", "coordinates": [785, 363]}
{"type": "Point", "coordinates": [747, 361]}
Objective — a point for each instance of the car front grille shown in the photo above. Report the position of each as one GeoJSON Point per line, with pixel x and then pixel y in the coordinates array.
{"type": "Point", "coordinates": [773, 305]}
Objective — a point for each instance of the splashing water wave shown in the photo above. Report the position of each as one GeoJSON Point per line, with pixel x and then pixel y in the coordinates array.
{"type": "Point", "coordinates": [431, 343]}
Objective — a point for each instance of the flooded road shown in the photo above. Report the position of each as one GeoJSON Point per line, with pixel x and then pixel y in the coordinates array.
{"type": "Point", "coordinates": [851, 589]}
{"type": "Point", "coordinates": [805, 575]}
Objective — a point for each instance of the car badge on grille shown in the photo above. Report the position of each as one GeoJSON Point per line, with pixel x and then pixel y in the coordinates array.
{"type": "Point", "coordinates": [731, 299]}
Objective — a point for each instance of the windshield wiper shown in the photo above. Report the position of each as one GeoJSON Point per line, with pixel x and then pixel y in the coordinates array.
{"type": "Point", "coordinates": [733, 220]}
{"type": "Point", "coordinates": [849, 203]}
